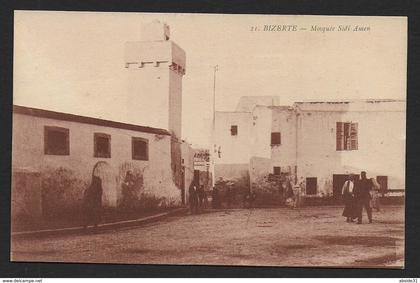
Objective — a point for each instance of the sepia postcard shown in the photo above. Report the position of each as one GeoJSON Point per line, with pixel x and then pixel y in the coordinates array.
{"type": "Point", "coordinates": [209, 139]}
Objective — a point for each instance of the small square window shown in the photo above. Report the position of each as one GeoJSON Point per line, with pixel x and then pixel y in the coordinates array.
{"type": "Point", "coordinates": [140, 148]}
{"type": "Point", "coordinates": [102, 145]}
{"type": "Point", "coordinates": [276, 170]}
{"type": "Point", "coordinates": [234, 130]}
{"type": "Point", "coordinates": [56, 141]}
{"type": "Point", "coordinates": [275, 138]}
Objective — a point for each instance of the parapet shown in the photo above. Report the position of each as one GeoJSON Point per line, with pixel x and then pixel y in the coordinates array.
{"type": "Point", "coordinates": [140, 54]}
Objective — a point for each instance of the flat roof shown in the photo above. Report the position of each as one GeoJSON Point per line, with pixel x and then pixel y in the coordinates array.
{"type": "Point", "coordinates": [85, 120]}
{"type": "Point", "coordinates": [347, 101]}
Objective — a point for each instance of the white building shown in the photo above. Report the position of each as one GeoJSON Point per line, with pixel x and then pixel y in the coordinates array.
{"type": "Point", "coordinates": [58, 152]}
{"type": "Point", "coordinates": [316, 142]}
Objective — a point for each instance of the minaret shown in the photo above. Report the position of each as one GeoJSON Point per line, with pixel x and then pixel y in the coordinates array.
{"type": "Point", "coordinates": [155, 66]}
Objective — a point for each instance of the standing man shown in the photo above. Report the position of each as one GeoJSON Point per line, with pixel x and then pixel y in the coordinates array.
{"type": "Point", "coordinates": [127, 202]}
{"type": "Point", "coordinates": [296, 191]}
{"type": "Point", "coordinates": [362, 197]}
{"type": "Point", "coordinates": [201, 195]}
{"type": "Point", "coordinates": [193, 197]}
{"type": "Point", "coordinates": [215, 198]}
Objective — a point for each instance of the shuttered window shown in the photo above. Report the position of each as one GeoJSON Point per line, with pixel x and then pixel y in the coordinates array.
{"type": "Point", "coordinates": [353, 136]}
{"type": "Point", "coordinates": [340, 136]}
{"type": "Point", "coordinates": [347, 136]}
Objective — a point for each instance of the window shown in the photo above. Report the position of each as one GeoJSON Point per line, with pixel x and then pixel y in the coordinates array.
{"type": "Point", "coordinates": [56, 141]}
{"type": "Point", "coordinates": [346, 136]}
{"type": "Point", "coordinates": [275, 139]}
{"type": "Point", "coordinates": [311, 184]}
{"type": "Point", "coordinates": [140, 149]}
{"type": "Point", "coordinates": [276, 170]}
{"type": "Point", "coordinates": [234, 130]}
{"type": "Point", "coordinates": [102, 145]}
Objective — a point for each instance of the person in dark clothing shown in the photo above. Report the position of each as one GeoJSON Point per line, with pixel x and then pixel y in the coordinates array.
{"type": "Point", "coordinates": [92, 202]}
{"type": "Point", "coordinates": [289, 194]}
{"type": "Point", "coordinates": [348, 199]}
{"type": "Point", "coordinates": [362, 196]}
{"type": "Point", "coordinates": [249, 199]}
{"type": "Point", "coordinates": [127, 202]}
{"type": "Point", "coordinates": [201, 195]}
{"type": "Point", "coordinates": [215, 202]}
{"type": "Point", "coordinates": [193, 198]}
{"type": "Point", "coordinates": [230, 195]}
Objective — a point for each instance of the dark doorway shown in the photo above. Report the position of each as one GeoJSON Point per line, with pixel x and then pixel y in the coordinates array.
{"type": "Point", "coordinates": [311, 185]}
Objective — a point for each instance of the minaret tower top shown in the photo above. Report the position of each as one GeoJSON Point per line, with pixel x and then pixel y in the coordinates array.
{"type": "Point", "coordinates": [155, 66]}
{"type": "Point", "coordinates": [155, 31]}
{"type": "Point", "coordinates": [155, 47]}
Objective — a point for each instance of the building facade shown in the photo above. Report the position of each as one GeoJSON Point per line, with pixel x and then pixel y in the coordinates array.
{"type": "Point", "coordinates": [316, 143]}
{"type": "Point", "coordinates": [59, 152]}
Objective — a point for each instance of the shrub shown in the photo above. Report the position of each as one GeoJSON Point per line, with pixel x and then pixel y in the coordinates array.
{"type": "Point", "coordinates": [62, 193]}
{"type": "Point", "coordinates": [268, 190]}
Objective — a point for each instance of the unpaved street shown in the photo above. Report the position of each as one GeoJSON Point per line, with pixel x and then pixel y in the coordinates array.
{"type": "Point", "coordinates": [311, 236]}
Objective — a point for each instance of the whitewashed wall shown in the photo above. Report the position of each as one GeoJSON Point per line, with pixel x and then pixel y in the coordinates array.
{"type": "Point", "coordinates": [381, 146]}
{"type": "Point", "coordinates": [28, 152]}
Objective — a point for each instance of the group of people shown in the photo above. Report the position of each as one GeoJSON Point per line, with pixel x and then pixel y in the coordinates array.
{"type": "Point", "coordinates": [197, 198]}
{"type": "Point", "coordinates": [359, 194]}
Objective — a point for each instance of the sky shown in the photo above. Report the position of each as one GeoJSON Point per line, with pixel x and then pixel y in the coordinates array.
{"type": "Point", "coordinates": [73, 62]}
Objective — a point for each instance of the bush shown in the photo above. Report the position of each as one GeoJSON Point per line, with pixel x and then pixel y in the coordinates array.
{"type": "Point", "coordinates": [231, 193]}
{"type": "Point", "coordinates": [268, 190]}
{"type": "Point", "coordinates": [62, 193]}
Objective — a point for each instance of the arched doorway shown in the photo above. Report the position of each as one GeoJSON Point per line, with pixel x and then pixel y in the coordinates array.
{"type": "Point", "coordinates": [104, 171]}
